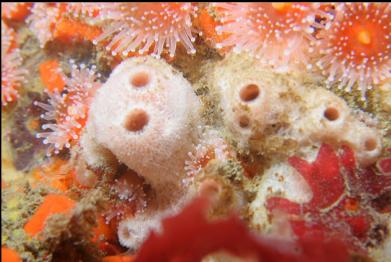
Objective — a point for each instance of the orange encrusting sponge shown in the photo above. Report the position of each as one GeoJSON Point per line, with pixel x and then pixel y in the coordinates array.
{"type": "Point", "coordinates": [54, 174]}
{"type": "Point", "coordinates": [69, 30]}
{"type": "Point", "coordinates": [207, 25]}
{"type": "Point", "coordinates": [9, 255]}
{"type": "Point", "coordinates": [50, 73]}
{"type": "Point", "coordinates": [52, 204]}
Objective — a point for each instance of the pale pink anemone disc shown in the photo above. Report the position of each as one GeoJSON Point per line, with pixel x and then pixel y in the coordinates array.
{"type": "Point", "coordinates": [278, 34]}
{"type": "Point", "coordinates": [135, 27]}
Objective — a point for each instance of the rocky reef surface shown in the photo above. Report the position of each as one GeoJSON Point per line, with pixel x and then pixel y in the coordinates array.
{"type": "Point", "coordinates": [196, 131]}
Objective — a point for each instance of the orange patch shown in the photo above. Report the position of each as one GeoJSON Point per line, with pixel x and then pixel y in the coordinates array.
{"type": "Point", "coordinates": [50, 73]}
{"type": "Point", "coordinates": [69, 30]}
{"type": "Point", "coordinates": [251, 168]}
{"type": "Point", "coordinates": [17, 13]}
{"type": "Point", "coordinates": [56, 174]}
{"type": "Point", "coordinates": [207, 25]}
{"type": "Point", "coordinates": [352, 205]}
{"type": "Point", "coordinates": [118, 259]}
{"type": "Point", "coordinates": [9, 255]}
{"type": "Point", "coordinates": [105, 237]}
{"type": "Point", "coordinates": [3, 184]}
{"type": "Point", "coordinates": [33, 124]}
{"type": "Point", "coordinates": [103, 229]}
{"type": "Point", "coordinates": [52, 204]}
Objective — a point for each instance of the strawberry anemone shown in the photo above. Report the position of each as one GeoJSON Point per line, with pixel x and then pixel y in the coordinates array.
{"type": "Point", "coordinates": [278, 34]}
{"type": "Point", "coordinates": [355, 46]}
{"type": "Point", "coordinates": [43, 19]}
{"type": "Point", "coordinates": [130, 196]}
{"type": "Point", "coordinates": [214, 147]}
{"type": "Point", "coordinates": [12, 74]}
{"type": "Point", "coordinates": [139, 26]}
{"type": "Point", "coordinates": [341, 202]}
{"type": "Point", "coordinates": [67, 110]}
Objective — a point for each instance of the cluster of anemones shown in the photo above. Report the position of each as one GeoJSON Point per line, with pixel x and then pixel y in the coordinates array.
{"type": "Point", "coordinates": [350, 44]}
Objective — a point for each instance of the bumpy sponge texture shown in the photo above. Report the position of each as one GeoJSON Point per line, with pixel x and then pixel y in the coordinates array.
{"type": "Point", "coordinates": [145, 114]}
{"type": "Point", "coordinates": [265, 109]}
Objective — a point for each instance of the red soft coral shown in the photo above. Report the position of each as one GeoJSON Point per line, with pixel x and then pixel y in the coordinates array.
{"type": "Point", "coordinates": [339, 206]}
{"type": "Point", "coordinates": [189, 236]}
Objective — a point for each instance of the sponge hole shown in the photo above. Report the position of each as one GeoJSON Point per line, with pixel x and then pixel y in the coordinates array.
{"type": "Point", "coordinates": [249, 92]}
{"type": "Point", "coordinates": [125, 233]}
{"type": "Point", "coordinates": [140, 79]}
{"type": "Point", "coordinates": [331, 114]}
{"type": "Point", "coordinates": [370, 144]}
{"type": "Point", "coordinates": [136, 120]}
{"type": "Point", "coordinates": [244, 121]}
